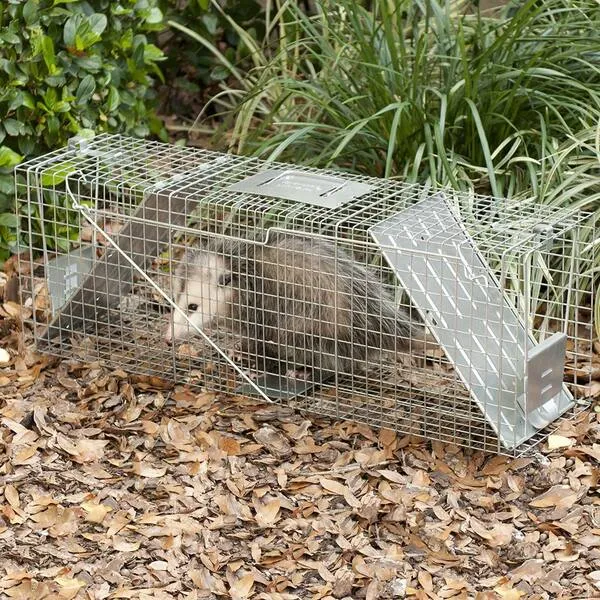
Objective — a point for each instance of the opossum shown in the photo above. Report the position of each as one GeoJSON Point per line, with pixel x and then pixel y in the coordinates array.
{"type": "Point", "coordinates": [298, 302]}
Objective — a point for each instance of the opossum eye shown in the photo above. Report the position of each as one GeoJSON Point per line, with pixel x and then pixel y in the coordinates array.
{"type": "Point", "coordinates": [192, 307]}
{"type": "Point", "coordinates": [224, 279]}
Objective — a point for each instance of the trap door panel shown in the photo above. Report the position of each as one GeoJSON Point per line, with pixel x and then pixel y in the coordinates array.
{"type": "Point", "coordinates": [466, 310]}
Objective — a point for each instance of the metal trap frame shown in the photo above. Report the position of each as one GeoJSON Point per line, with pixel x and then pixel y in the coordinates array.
{"type": "Point", "coordinates": [503, 289]}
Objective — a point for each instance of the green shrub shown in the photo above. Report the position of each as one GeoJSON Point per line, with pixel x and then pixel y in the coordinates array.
{"type": "Point", "coordinates": [67, 66]}
{"type": "Point", "coordinates": [422, 90]}
{"type": "Point", "coordinates": [193, 70]}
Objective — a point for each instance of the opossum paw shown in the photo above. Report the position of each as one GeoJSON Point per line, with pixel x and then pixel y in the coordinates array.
{"type": "Point", "coordinates": [303, 374]}
{"type": "Point", "coordinates": [251, 374]}
{"type": "Point", "coordinates": [235, 354]}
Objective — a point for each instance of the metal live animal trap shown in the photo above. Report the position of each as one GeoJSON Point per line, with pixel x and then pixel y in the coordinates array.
{"type": "Point", "coordinates": [494, 296]}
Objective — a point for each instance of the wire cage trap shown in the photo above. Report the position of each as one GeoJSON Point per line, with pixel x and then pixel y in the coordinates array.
{"type": "Point", "coordinates": [448, 315]}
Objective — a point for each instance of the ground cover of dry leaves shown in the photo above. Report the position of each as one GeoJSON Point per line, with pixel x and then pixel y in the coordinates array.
{"type": "Point", "coordinates": [115, 486]}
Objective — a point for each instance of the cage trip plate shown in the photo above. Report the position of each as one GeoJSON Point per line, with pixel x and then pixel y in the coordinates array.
{"type": "Point", "coordinates": [288, 184]}
{"type": "Point", "coordinates": [516, 383]}
{"type": "Point", "coordinates": [277, 387]}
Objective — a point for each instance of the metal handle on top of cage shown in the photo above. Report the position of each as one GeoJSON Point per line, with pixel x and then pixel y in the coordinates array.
{"type": "Point", "coordinates": [85, 211]}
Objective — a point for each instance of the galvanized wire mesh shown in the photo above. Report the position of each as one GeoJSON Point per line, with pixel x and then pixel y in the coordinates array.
{"type": "Point", "coordinates": [108, 225]}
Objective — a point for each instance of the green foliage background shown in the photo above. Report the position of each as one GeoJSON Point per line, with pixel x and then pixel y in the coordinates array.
{"type": "Point", "coordinates": [192, 67]}
{"type": "Point", "coordinates": [68, 66]}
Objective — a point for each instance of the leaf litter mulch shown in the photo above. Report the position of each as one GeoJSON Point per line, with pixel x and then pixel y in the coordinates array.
{"type": "Point", "coordinates": [114, 486]}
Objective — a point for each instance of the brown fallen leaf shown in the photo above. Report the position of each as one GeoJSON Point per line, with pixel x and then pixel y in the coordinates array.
{"type": "Point", "coordinates": [82, 450]}
{"type": "Point", "coordinates": [531, 570]}
{"type": "Point", "coordinates": [69, 587]}
{"type": "Point", "coordinates": [12, 495]}
{"type": "Point", "coordinates": [560, 496]}
{"type": "Point", "coordinates": [393, 476]}
{"type": "Point", "coordinates": [46, 518]}
{"type": "Point", "coordinates": [559, 441]}
{"type": "Point", "coordinates": [229, 445]}
{"type": "Point", "coordinates": [360, 566]}
{"type": "Point", "coordinates": [500, 534]}
{"type": "Point", "coordinates": [507, 592]}
{"type": "Point", "coordinates": [90, 450]}
{"type": "Point", "coordinates": [122, 545]}
{"type": "Point", "coordinates": [273, 440]}
{"type": "Point", "coordinates": [240, 586]}
{"type": "Point", "coordinates": [425, 580]}
{"type": "Point", "coordinates": [95, 512]}
{"type": "Point", "coordinates": [267, 510]}
{"type": "Point", "coordinates": [567, 554]}
{"type": "Point", "coordinates": [341, 490]}
{"type": "Point", "coordinates": [146, 470]}
{"type": "Point", "coordinates": [203, 579]}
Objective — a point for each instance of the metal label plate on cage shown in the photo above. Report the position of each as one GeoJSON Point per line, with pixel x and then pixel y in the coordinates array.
{"type": "Point", "coordinates": [517, 386]}
{"type": "Point", "coordinates": [288, 184]}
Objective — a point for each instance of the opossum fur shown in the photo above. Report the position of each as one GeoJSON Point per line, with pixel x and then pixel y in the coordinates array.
{"type": "Point", "coordinates": [300, 302]}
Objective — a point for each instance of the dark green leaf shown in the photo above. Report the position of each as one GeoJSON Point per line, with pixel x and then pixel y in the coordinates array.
{"type": "Point", "coordinates": [50, 98]}
{"type": "Point", "coordinates": [85, 89]}
{"type": "Point", "coordinates": [12, 126]}
{"type": "Point", "coordinates": [211, 22]}
{"type": "Point", "coordinates": [55, 81]}
{"type": "Point", "coordinates": [89, 63]}
{"type": "Point", "coordinates": [112, 102]}
{"type": "Point", "coordinates": [62, 107]}
{"type": "Point", "coordinates": [53, 125]}
{"type": "Point", "coordinates": [70, 32]}
{"type": "Point", "coordinates": [9, 37]}
{"type": "Point", "coordinates": [219, 73]}
{"type": "Point", "coordinates": [98, 23]}
{"type": "Point", "coordinates": [30, 10]}
{"type": "Point", "coordinates": [26, 145]}
{"type": "Point", "coordinates": [28, 100]}
{"type": "Point", "coordinates": [18, 98]}
{"type": "Point", "coordinates": [7, 184]}
{"type": "Point", "coordinates": [9, 67]}
{"type": "Point", "coordinates": [9, 220]}
{"type": "Point", "coordinates": [138, 55]}
{"type": "Point", "coordinates": [152, 53]}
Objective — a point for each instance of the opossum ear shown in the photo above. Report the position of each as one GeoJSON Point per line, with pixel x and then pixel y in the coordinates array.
{"type": "Point", "coordinates": [191, 255]}
{"type": "Point", "coordinates": [224, 279]}
{"type": "Point", "coordinates": [188, 257]}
